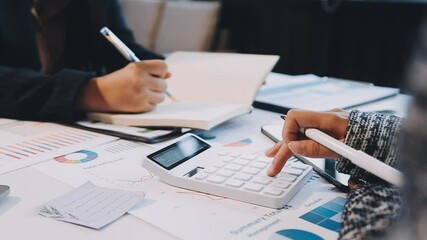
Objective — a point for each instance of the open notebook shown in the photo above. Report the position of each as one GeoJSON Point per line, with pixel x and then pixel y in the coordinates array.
{"type": "Point", "coordinates": [210, 88]}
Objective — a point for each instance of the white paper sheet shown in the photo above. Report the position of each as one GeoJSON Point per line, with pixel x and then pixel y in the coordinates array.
{"type": "Point", "coordinates": [91, 206]}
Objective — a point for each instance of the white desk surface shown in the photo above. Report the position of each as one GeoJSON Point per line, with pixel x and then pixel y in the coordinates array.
{"type": "Point", "coordinates": [30, 188]}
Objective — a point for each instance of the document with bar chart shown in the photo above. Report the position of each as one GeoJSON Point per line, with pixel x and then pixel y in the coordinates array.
{"type": "Point", "coordinates": [25, 143]}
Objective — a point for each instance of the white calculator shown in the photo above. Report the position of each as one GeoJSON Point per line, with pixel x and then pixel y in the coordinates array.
{"type": "Point", "coordinates": [191, 163]}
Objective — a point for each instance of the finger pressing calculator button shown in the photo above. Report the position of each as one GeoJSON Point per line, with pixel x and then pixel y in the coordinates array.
{"type": "Point", "coordinates": [253, 187]}
{"type": "Point", "coordinates": [216, 179]}
{"type": "Point", "coordinates": [234, 183]}
{"type": "Point", "coordinates": [273, 191]}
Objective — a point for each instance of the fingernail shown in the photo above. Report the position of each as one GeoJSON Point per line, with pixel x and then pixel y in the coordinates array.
{"type": "Point", "coordinates": [296, 148]}
{"type": "Point", "coordinates": [291, 146]}
{"type": "Point", "coordinates": [270, 169]}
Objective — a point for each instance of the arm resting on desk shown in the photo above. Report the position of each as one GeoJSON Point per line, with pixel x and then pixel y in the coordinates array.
{"type": "Point", "coordinates": [28, 94]}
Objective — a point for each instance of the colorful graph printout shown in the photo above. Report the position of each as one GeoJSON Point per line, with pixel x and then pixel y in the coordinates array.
{"type": "Point", "coordinates": [25, 143]}
{"type": "Point", "coordinates": [327, 215]}
{"type": "Point", "coordinates": [81, 156]}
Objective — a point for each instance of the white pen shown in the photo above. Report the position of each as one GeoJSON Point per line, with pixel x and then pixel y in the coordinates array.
{"type": "Point", "coordinates": [124, 50]}
{"type": "Point", "coordinates": [357, 157]}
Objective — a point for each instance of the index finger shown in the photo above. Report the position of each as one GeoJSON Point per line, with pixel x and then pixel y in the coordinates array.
{"type": "Point", "coordinates": [295, 121]}
{"type": "Point", "coordinates": [280, 159]}
{"type": "Point", "coordinates": [302, 119]}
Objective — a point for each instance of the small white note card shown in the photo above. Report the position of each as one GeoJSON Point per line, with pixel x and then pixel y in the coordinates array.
{"type": "Point", "coordinates": [91, 206]}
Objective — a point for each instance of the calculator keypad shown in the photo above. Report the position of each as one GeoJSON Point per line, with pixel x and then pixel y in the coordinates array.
{"type": "Point", "coordinates": [246, 172]}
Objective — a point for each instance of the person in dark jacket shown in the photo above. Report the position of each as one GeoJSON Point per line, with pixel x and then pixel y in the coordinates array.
{"type": "Point", "coordinates": [55, 65]}
{"type": "Point", "coordinates": [375, 209]}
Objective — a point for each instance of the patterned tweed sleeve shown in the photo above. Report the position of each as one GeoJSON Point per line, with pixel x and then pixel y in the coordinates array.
{"type": "Point", "coordinates": [373, 207]}
{"type": "Point", "coordinates": [376, 135]}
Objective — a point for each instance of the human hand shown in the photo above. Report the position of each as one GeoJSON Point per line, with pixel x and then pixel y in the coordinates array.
{"type": "Point", "coordinates": [138, 87]}
{"type": "Point", "coordinates": [333, 123]}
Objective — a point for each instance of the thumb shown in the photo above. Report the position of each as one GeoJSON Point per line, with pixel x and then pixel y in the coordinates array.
{"type": "Point", "coordinates": [310, 148]}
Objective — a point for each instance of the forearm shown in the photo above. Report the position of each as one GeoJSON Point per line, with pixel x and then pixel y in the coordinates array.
{"type": "Point", "coordinates": [376, 135]}
{"type": "Point", "coordinates": [30, 95]}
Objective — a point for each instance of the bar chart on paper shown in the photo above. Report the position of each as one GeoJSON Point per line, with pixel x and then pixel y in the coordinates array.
{"type": "Point", "coordinates": [26, 143]}
{"type": "Point", "coordinates": [328, 215]}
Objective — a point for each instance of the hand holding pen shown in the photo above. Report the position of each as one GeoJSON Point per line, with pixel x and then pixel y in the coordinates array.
{"type": "Point", "coordinates": [295, 142]}
{"type": "Point", "coordinates": [128, 54]}
{"type": "Point", "coordinates": [321, 135]}
{"type": "Point", "coordinates": [137, 87]}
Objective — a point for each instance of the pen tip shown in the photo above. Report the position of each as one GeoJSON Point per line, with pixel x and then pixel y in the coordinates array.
{"type": "Point", "coordinates": [283, 117]}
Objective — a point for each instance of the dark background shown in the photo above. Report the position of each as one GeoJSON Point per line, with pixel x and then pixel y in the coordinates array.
{"type": "Point", "coordinates": [360, 40]}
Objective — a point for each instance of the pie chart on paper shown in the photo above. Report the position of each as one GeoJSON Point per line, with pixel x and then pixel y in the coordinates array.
{"type": "Point", "coordinates": [294, 234]}
{"type": "Point", "coordinates": [81, 156]}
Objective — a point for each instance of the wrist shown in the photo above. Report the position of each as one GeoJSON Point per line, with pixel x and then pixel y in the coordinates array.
{"type": "Point", "coordinates": [91, 98]}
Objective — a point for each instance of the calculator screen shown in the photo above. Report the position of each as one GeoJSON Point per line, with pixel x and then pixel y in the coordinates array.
{"type": "Point", "coordinates": [179, 152]}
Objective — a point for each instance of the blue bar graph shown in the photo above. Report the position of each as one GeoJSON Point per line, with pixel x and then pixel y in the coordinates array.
{"type": "Point", "coordinates": [328, 215]}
